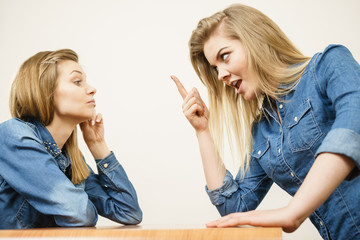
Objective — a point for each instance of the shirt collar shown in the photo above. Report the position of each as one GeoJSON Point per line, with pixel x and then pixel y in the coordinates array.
{"type": "Point", "coordinates": [48, 141]}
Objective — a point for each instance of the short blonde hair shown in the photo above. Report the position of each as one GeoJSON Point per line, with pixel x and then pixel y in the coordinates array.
{"type": "Point", "coordinates": [32, 96]}
{"type": "Point", "coordinates": [269, 53]}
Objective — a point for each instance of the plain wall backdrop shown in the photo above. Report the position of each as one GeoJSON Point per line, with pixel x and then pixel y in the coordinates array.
{"type": "Point", "coordinates": [128, 50]}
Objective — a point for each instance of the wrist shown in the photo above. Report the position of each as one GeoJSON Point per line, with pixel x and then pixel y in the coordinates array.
{"type": "Point", "coordinates": [295, 217]}
{"type": "Point", "coordinates": [99, 150]}
{"type": "Point", "coordinates": [202, 132]}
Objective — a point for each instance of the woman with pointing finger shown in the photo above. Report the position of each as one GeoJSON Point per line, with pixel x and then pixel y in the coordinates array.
{"type": "Point", "coordinates": [293, 121]}
{"type": "Point", "coordinates": [44, 180]}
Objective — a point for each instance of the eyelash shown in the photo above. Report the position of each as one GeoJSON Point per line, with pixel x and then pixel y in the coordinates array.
{"type": "Point", "coordinates": [77, 82]}
{"type": "Point", "coordinates": [222, 56]}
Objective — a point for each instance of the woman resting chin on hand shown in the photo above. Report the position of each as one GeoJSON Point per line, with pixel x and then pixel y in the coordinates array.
{"type": "Point", "coordinates": [44, 180]}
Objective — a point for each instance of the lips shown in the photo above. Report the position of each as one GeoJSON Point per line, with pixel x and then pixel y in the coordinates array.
{"type": "Point", "coordinates": [92, 102]}
{"type": "Point", "coordinates": [236, 84]}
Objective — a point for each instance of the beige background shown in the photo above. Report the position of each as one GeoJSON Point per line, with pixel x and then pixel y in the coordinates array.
{"type": "Point", "coordinates": [128, 50]}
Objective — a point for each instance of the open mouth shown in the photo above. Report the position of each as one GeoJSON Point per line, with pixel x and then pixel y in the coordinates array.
{"type": "Point", "coordinates": [236, 84]}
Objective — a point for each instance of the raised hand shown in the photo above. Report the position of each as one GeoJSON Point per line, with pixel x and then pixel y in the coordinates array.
{"type": "Point", "coordinates": [93, 134]}
{"type": "Point", "coordinates": [193, 107]}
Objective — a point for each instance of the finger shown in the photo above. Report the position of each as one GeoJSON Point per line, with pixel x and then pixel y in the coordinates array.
{"type": "Point", "coordinates": [99, 118]}
{"type": "Point", "coordinates": [180, 87]}
{"type": "Point", "coordinates": [190, 103]}
{"type": "Point", "coordinates": [212, 224]}
{"type": "Point", "coordinates": [93, 118]}
{"type": "Point", "coordinates": [230, 222]}
{"type": "Point", "coordinates": [194, 110]}
{"type": "Point", "coordinates": [191, 94]}
{"type": "Point", "coordinates": [233, 219]}
{"type": "Point", "coordinates": [197, 94]}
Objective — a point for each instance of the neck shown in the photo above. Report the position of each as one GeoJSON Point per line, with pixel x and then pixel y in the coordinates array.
{"type": "Point", "coordinates": [60, 131]}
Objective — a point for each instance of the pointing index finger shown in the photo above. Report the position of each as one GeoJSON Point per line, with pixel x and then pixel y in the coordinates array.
{"type": "Point", "coordinates": [180, 87]}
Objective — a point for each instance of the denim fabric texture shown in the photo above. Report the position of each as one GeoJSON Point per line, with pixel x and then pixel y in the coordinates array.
{"type": "Point", "coordinates": [322, 114]}
{"type": "Point", "coordinates": [35, 186]}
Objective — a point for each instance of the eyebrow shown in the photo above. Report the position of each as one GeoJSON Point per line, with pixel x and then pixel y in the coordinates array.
{"type": "Point", "coordinates": [218, 53]}
{"type": "Point", "coordinates": [77, 71]}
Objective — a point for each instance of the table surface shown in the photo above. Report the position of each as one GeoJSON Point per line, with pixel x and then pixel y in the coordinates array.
{"type": "Point", "coordinates": [148, 232]}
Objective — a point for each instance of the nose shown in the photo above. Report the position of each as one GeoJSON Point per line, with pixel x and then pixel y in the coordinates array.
{"type": "Point", "coordinates": [90, 90]}
{"type": "Point", "coordinates": [223, 74]}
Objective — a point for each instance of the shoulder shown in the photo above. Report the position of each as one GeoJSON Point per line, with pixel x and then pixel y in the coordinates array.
{"type": "Point", "coordinates": [17, 129]}
{"type": "Point", "coordinates": [334, 63]}
{"type": "Point", "coordinates": [333, 54]}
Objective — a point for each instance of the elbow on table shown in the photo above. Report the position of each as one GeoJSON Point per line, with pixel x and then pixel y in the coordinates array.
{"type": "Point", "coordinates": [87, 217]}
{"type": "Point", "coordinates": [133, 218]}
{"type": "Point", "coordinates": [76, 221]}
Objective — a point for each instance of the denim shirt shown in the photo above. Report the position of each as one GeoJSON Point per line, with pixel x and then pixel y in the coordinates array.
{"type": "Point", "coordinates": [322, 114]}
{"type": "Point", "coordinates": [35, 186]}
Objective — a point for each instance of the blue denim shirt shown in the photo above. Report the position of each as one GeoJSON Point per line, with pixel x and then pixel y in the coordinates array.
{"type": "Point", "coordinates": [35, 186]}
{"type": "Point", "coordinates": [322, 114]}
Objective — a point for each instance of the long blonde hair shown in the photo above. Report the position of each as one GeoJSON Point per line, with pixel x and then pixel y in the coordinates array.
{"type": "Point", "coordinates": [32, 96]}
{"type": "Point", "coordinates": [270, 54]}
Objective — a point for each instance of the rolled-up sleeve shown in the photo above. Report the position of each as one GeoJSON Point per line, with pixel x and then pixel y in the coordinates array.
{"type": "Point", "coordinates": [342, 141]}
{"type": "Point", "coordinates": [338, 76]}
{"type": "Point", "coordinates": [241, 194]}
{"type": "Point", "coordinates": [218, 196]}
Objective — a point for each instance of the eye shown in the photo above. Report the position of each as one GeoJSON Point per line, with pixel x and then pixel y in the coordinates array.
{"type": "Point", "coordinates": [224, 56]}
{"type": "Point", "coordinates": [77, 82]}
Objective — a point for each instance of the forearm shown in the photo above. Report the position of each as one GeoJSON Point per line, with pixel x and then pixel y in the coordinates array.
{"type": "Point", "coordinates": [118, 199]}
{"type": "Point", "coordinates": [214, 169]}
{"type": "Point", "coordinates": [99, 150]}
{"type": "Point", "coordinates": [326, 174]}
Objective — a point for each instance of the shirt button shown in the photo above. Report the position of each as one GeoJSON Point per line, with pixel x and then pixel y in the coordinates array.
{"type": "Point", "coordinates": [279, 151]}
{"type": "Point", "coordinates": [321, 223]}
{"type": "Point", "coordinates": [280, 106]}
{"type": "Point", "coordinates": [259, 152]}
{"type": "Point", "coordinates": [292, 174]}
{"type": "Point", "coordinates": [106, 165]}
{"type": "Point", "coordinates": [295, 119]}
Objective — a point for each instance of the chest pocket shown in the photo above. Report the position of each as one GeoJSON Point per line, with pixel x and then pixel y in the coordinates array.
{"type": "Point", "coordinates": [303, 129]}
{"type": "Point", "coordinates": [260, 150]}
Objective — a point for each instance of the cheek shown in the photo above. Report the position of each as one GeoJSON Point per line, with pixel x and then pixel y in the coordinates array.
{"type": "Point", "coordinates": [239, 68]}
{"type": "Point", "coordinates": [65, 102]}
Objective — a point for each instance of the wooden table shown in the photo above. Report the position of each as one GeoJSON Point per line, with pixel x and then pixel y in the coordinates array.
{"type": "Point", "coordinates": [148, 232]}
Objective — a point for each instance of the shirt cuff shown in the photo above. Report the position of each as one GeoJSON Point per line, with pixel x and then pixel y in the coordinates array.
{"type": "Point", "coordinates": [342, 141]}
{"type": "Point", "coordinates": [107, 164]}
{"type": "Point", "coordinates": [219, 195]}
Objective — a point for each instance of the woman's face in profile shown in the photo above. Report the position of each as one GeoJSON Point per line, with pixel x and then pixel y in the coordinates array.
{"type": "Point", "coordinates": [229, 58]}
{"type": "Point", "coordinates": [73, 97]}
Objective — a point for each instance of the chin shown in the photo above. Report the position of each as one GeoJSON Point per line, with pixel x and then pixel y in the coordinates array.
{"type": "Point", "coordinates": [85, 118]}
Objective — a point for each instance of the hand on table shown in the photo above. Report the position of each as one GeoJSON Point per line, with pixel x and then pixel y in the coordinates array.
{"type": "Point", "coordinates": [265, 218]}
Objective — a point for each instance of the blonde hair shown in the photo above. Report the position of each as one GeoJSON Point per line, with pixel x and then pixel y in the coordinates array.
{"type": "Point", "coordinates": [271, 56]}
{"type": "Point", "coordinates": [32, 96]}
